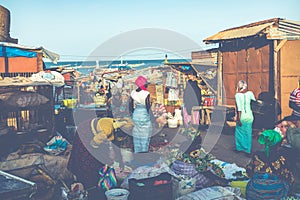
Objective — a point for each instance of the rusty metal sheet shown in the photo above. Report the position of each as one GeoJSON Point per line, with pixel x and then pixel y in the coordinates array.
{"type": "Point", "coordinates": [241, 76]}
{"type": "Point", "coordinates": [229, 62]}
{"type": "Point", "coordinates": [265, 60]}
{"type": "Point", "coordinates": [254, 83]}
{"type": "Point", "coordinates": [229, 82]}
{"type": "Point", "coordinates": [242, 61]}
{"type": "Point", "coordinates": [265, 81]}
{"type": "Point", "coordinates": [254, 60]}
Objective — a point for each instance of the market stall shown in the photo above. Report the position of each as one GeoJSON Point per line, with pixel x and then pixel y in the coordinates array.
{"type": "Point", "coordinates": [26, 109]}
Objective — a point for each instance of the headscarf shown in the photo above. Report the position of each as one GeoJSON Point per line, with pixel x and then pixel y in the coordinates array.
{"type": "Point", "coordinates": [269, 138]}
{"type": "Point", "coordinates": [241, 86]}
{"type": "Point", "coordinates": [141, 81]}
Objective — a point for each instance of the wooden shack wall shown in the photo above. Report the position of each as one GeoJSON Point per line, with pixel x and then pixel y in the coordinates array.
{"type": "Point", "coordinates": [289, 59]}
{"type": "Point", "coordinates": [249, 60]}
{"type": "Point", "coordinates": [22, 64]}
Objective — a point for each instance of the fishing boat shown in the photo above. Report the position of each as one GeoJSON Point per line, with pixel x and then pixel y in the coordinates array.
{"type": "Point", "coordinates": [119, 67]}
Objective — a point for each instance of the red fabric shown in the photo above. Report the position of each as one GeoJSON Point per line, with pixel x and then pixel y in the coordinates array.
{"type": "Point", "coordinates": [141, 81]}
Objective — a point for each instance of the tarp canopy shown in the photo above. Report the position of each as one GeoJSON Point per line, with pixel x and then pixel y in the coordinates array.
{"type": "Point", "coordinates": [16, 50]}
{"type": "Point", "coordinates": [208, 73]}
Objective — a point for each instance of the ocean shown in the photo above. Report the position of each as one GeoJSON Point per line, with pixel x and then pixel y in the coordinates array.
{"type": "Point", "coordinates": [88, 66]}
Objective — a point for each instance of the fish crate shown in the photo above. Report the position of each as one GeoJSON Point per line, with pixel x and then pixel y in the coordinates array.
{"type": "Point", "coordinates": [13, 187]}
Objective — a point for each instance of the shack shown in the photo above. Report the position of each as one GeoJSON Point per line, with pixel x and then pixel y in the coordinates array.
{"type": "Point", "coordinates": [265, 54]}
{"type": "Point", "coordinates": [19, 60]}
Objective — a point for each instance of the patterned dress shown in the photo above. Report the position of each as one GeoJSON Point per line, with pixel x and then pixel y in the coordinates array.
{"type": "Point", "coordinates": [142, 129]}
{"type": "Point", "coordinates": [270, 177]}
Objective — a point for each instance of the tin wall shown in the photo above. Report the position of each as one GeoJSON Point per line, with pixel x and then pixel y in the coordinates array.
{"type": "Point", "coordinates": [248, 60]}
{"type": "Point", "coordinates": [22, 64]}
{"type": "Point", "coordinates": [289, 58]}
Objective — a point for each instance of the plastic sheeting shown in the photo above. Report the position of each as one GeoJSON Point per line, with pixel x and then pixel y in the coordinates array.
{"type": "Point", "coordinates": [15, 50]}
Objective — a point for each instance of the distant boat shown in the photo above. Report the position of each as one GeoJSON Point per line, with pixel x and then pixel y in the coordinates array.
{"type": "Point", "coordinates": [136, 65]}
{"type": "Point", "coordinates": [120, 66]}
{"type": "Point", "coordinates": [83, 67]}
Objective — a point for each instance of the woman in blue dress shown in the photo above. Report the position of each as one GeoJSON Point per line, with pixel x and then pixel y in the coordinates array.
{"type": "Point", "coordinates": [140, 109]}
{"type": "Point", "coordinates": [243, 130]}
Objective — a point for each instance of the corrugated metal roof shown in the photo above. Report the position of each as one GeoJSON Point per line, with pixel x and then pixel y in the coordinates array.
{"type": "Point", "coordinates": [238, 33]}
{"type": "Point", "coordinates": [275, 28]}
{"type": "Point", "coordinates": [289, 26]}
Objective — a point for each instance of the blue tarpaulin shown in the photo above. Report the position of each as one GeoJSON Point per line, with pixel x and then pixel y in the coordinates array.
{"type": "Point", "coordinates": [16, 52]}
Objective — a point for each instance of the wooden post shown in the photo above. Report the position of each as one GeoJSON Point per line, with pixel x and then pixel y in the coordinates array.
{"type": "Point", "coordinates": [220, 79]}
{"type": "Point", "coordinates": [78, 92]}
{"type": "Point", "coordinates": [277, 86]}
{"type": "Point", "coordinates": [276, 75]}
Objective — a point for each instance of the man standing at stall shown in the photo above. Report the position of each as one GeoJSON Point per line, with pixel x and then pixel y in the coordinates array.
{"type": "Point", "coordinates": [192, 97]}
{"type": "Point", "coordinates": [294, 102]}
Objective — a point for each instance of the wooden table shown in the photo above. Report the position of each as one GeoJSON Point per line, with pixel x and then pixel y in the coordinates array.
{"type": "Point", "coordinates": [205, 113]}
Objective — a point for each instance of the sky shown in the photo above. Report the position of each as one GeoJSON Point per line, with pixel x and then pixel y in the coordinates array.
{"type": "Point", "coordinates": [75, 29]}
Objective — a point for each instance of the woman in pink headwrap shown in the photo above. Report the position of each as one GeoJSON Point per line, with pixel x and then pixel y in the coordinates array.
{"type": "Point", "coordinates": [140, 112]}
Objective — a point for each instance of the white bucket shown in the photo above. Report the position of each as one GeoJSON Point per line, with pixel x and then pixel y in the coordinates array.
{"type": "Point", "coordinates": [117, 194]}
{"type": "Point", "coordinates": [172, 123]}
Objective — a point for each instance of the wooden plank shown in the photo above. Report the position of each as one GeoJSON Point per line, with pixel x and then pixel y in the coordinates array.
{"type": "Point", "coordinates": [220, 78]}
{"type": "Point", "coordinates": [281, 43]}
{"type": "Point", "coordinates": [276, 73]}
{"type": "Point", "coordinates": [22, 64]}
{"type": "Point", "coordinates": [290, 59]}
{"type": "Point", "coordinates": [2, 65]}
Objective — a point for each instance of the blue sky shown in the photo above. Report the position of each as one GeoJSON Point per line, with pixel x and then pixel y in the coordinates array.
{"type": "Point", "coordinates": [74, 29]}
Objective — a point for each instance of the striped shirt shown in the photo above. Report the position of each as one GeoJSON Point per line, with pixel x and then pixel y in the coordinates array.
{"type": "Point", "coordinates": [295, 98]}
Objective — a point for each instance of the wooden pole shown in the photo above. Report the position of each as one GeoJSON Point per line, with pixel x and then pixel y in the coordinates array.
{"type": "Point", "coordinates": [220, 78]}
{"type": "Point", "coordinates": [277, 87]}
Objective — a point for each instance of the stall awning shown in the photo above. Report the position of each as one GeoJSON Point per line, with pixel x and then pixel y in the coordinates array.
{"type": "Point", "coordinates": [208, 73]}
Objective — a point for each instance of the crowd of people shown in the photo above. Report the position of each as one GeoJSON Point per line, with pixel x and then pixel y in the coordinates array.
{"type": "Point", "coordinates": [270, 171]}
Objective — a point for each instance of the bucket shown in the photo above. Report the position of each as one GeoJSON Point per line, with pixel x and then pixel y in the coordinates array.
{"type": "Point", "coordinates": [70, 103]}
{"type": "Point", "coordinates": [172, 123]}
{"type": "Point", "coordinates": [117, 194]}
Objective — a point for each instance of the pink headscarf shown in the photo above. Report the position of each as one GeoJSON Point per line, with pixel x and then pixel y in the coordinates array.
{"type": "Point", "coordinates": [141, 81]}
